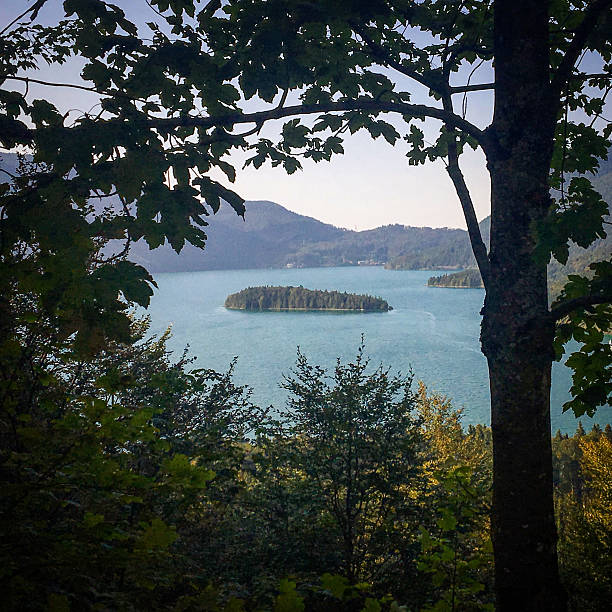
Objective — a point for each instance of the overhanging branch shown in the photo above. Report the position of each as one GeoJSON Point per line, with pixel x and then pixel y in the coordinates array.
{"type": "Point", "coordinates": [381, 54]}
{"type": "Point", "coordinates": [34, 9]}
{"type": "Point", "coordinates": [417, 111]}
{"type": "Point", "coordinates": [467, 88]}
{"type": "Point", "coordinates": [563, 309]}
{"type": "Point", "coordinates": [101, 92]}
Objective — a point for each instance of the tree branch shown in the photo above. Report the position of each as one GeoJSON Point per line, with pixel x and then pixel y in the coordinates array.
{"type": "Point", "coordinates": [358, 104]}
{"type": "Point", "coordinates": [477, 87]}
{"type": "Point", "coordinates": [226, 136]}
{"type": "Point", "coordinates": [454, 171]}
{"type": "Point", "coordinates": [563, 309]}
{"type": "Point", "coordinates": [7, 172]}
{"type": "Point", "coordinates": [28, 80]}
{"type": "Point", "coordinates": [382, 54]}
{"type": "Point", "coordinates": [34, 9]}
{"type": "Point", "coordinates": [590, 21]}
{"type": "Point", "coordinates": [598, 75]}
{"type": "Point", "coordinates": [416, 111]}
{"type": "Point", "coordinates": [100, 92]}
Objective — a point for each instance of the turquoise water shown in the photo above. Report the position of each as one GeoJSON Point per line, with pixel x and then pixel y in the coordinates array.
{"type": "Point", "coordinates": [432, 331]}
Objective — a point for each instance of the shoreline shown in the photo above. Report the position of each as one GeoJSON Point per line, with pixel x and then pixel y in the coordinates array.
{"type": "Point", "coordinates": [452, 287]}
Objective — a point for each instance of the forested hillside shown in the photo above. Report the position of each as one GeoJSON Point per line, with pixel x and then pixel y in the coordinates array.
{"type": "Point", "coordinates": [268, 237]}
{"type": "Point", "coordinates": [273, 237]}
{"type": "Point", "coordinates": [577, 263]}
{"type": "Point", "coordinates": [579, 258]}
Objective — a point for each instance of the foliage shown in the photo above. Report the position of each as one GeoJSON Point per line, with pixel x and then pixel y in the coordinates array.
{"type": "Point", "coordinates": [104, 460]}
{"type": "Point", "coordinates": [152, 84]}
{"type": "Point", "coordinates": [455, 548]}
{"type": "Point", "coordinates": [454, 556]}
{"type": "Point", "coordinates": [171, 99]}
{"type": "Point", "coordinates": [355, 442]}
{"type": "Point", "coordinates": [298, 298]}
{"type": "Point", "coordinates": [584, 508]}
{"type": "Point", "coordinates": [82, 466]}
{"type": "Point", "coordinates": [592, 364]}
{"type": "Point", "coordinates": [115, 489]}
{"type": "Point", "coordinates": [320, 491]}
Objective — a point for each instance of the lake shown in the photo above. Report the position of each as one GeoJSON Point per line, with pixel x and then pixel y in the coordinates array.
{"type": "Point", "coordinates": [432, 331]}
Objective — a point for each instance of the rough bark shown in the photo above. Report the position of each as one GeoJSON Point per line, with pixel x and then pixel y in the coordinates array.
{"type": "Point", "coordinates": [517, 331]}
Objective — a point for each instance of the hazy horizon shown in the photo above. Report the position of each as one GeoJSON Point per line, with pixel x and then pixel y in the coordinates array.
{"type": "Point", "coordinates": [348, 227]}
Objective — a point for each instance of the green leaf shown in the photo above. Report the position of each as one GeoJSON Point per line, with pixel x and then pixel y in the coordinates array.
{"type": "Point", "coordinates": [288, 599]}
{"type": "Point", "coordinates": [186, 472]}
{"type": "Point", "coordinates": [156, 536]}
{"type": "Point", "coordinates": [371, 605]}
{"type": "Point", "coordinates": [335, 584]}
{"type": "Point", "coordinates": [447, 522]}
{"type": "Point", "coordinates": [91, 520]}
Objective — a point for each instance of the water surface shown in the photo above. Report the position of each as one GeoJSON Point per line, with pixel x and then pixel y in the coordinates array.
{"type": "Point", "coordinates": [432, 331]}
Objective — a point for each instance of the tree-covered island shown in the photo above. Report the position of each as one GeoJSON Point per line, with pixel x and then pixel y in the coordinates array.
{"type": "Point", "coordinates": [466, 279]}
{"type": "Point", "coordinates": [298, 298]}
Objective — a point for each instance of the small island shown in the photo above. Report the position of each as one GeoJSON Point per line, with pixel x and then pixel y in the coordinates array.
{"type": "Point", "coordinates": [467, 279]}
{"type": "Point", "coordinates": [298, 298]}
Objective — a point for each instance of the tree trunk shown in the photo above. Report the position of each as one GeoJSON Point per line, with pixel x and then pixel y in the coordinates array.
{"type": "Point", "coordinates": [517, 332]}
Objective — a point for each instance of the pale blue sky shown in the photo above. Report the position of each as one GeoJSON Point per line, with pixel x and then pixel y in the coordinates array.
{"type": "Point", "coordinates": [370, 185]}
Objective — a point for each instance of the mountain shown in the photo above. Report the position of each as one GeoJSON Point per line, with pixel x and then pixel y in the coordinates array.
{"type": "Point", "coordinates": [268, 237]}
{"type": "Point", "coordinates": [578, 260]}
{"type": "Point", "coordinates": [452, 251]}
{"type": "Point", "coordinates": [273, 237]}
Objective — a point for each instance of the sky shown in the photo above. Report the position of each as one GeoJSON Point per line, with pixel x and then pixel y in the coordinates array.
{"type": "Point", "coordinates": [369, 186]}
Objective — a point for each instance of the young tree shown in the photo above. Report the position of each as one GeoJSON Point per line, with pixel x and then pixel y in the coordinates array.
{"type": "Point", "coordinates": [353, 436]}
{"type": "Point", "coordinates": [171, 106]}
{"type": "Point", "coordinates": [91, 489]}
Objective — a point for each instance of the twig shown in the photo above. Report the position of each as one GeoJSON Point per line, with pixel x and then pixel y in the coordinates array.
{"type": "Point", "coordinates": [34, 9]}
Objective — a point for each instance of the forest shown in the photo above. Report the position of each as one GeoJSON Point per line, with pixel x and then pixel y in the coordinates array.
{"type": "Point", "coordinates": [298, 298]}
{"type": "Point", "coordinates": [466, 279]}
{"type": "Point", "coordinates": [135, 482]}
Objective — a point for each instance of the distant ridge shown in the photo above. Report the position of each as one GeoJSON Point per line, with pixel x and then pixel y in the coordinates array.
{"type": "Point", "coordinates": [273, 237]}
{"type": "Point", "coordinates": [266, 238]}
